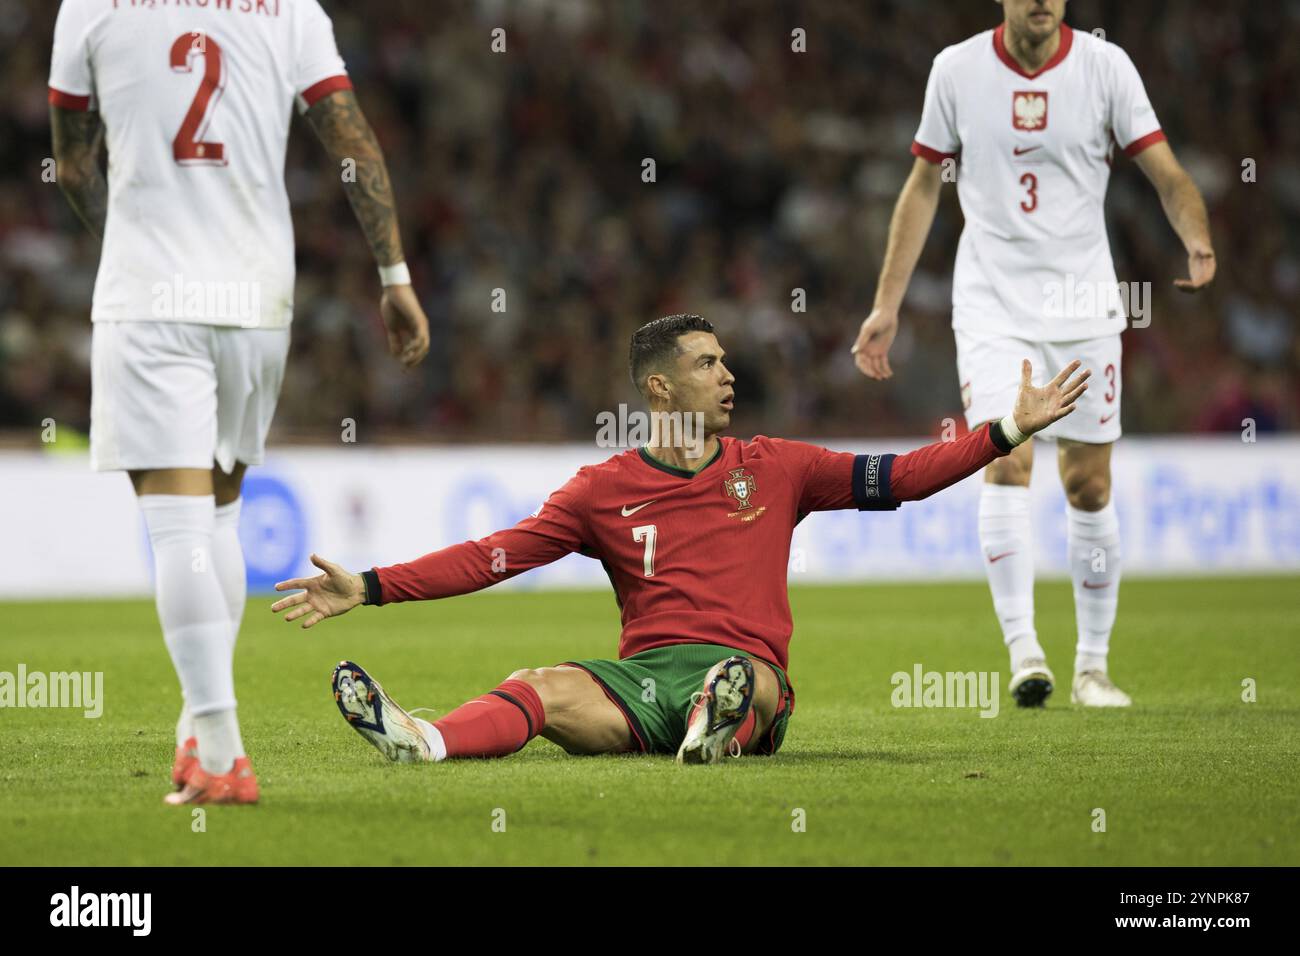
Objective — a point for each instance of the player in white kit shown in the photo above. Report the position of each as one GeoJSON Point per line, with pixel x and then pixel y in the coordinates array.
{"type": "Point", "coordinates": [1025, 118]}
{"type": "Point", "coordinates": [194, 294]}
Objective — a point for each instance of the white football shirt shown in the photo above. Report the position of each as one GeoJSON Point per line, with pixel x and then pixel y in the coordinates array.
{"type": "Point", "coordinates": [1032, 155]}
{"type": "Point", "coordinates": [195, 97]}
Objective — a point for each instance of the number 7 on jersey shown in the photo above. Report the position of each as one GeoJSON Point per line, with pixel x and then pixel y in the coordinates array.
{"type": "Point", "coordinates": [647, 533]}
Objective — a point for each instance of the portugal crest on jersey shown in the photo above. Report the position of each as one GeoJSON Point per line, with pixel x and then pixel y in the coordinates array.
{"type": "Point", "coordinates": [740, 485]}
{"type": "Point", "coordinates": [1029, 110]}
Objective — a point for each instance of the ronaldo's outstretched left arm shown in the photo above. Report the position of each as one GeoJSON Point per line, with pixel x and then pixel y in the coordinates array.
{"type": "Point", "coordinates": [1186, 212]}
{"type": "Point", "coordinates": [883, 482]}
{"type": "Point", "coordinates": [921, 473]}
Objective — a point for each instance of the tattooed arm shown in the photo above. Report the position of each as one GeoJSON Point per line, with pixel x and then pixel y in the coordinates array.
{"type": "Point", "coordinates": [348, 138]}
{"type": "Point", "coordinates": [78, 135]}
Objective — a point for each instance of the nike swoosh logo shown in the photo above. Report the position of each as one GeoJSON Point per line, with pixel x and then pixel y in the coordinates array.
{"type": "Point", "coordinates": [1017, 151]}
{"type": "Point", "coordinates": [994, 559]}
{"type": "Point", "coordinates": [1094, 587]}
{"type": "Point", "coordinates": [628, 512]}
{"type": "Point", "coordinates": [1106, 418]}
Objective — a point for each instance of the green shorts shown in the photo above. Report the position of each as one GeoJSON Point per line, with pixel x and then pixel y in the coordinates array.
{"type": "Point", "coordinates": [654, 688]}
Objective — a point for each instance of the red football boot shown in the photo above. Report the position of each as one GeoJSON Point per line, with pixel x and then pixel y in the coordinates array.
{"type": "Point", "coordinates": [237, 785]}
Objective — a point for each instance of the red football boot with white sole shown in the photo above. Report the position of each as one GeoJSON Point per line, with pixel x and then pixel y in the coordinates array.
{"type": "Point", "coordinates": [237, 785]}
{"type": "Point", "coordinates": [187, 758]}
{"type": "Point", "coordinates": [717, 711]}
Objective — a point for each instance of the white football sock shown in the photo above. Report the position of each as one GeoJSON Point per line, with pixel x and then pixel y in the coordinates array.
{"type": "Point", "coordinates": [1095, 567]}
{"type": "Point", "coordinates": [228, 558]}
{"type": "Point", "coordinates": [432, 736]}
{"type": "Point", "coordinates": [219, 741]}
{"type": "Point", "coordinates": [184, 724]}
{"type": "Point", "coordinates": [1007, 540]}
{"type": "Point", "coordinates": [191, 607]}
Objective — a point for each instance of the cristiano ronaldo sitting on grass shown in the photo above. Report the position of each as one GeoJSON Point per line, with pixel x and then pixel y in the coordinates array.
{"type": "Point", "coordinates": [695, 536]}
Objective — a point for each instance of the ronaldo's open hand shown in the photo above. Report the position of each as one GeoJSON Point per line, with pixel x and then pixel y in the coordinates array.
{"type": "Point", "coordinates": [327, 595]}
{"type": "Point", "coordinates": [1036, 408]}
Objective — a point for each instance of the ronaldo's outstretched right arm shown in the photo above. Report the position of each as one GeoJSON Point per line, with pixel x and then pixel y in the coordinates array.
{"type": "Point", "coordinates": [558, 528]}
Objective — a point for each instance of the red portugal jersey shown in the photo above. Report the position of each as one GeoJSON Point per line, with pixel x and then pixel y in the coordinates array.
{"type": "Point", "coordinates": [694, 558]}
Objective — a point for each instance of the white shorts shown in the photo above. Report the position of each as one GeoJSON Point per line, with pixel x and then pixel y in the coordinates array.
{"type": "Point", "coordinates": [988, 368]}
{"type": "Point", "coordinates": [182, 395]}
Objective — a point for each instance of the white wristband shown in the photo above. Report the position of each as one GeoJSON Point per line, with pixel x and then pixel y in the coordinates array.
{"type": "Point", "coordinates": [396, 274]}
{"type": "Point", "coordinates": [1011, 433]}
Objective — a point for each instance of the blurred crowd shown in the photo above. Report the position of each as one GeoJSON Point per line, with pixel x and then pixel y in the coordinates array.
{"type": "Point", "coordinates": [774, 171]}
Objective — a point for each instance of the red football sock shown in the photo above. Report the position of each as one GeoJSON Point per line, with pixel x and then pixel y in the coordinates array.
{"type": "Point", "coordinates": [750, 724]}
{"type": "Point", "coordinates": [746, 730]}
{"type": "Point", "coordinates": [498, 723]}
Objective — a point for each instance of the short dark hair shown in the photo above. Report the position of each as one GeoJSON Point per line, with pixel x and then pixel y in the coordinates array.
{"type": "Point", "coordinates": [655, 344]}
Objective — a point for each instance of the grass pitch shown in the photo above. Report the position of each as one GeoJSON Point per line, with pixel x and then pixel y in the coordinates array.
{"type": "Point", "coordinates": [1192, 774]}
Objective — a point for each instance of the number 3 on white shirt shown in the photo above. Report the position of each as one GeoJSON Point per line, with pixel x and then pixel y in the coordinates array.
{"type": "Point", "coordinates": [1030, 182]}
